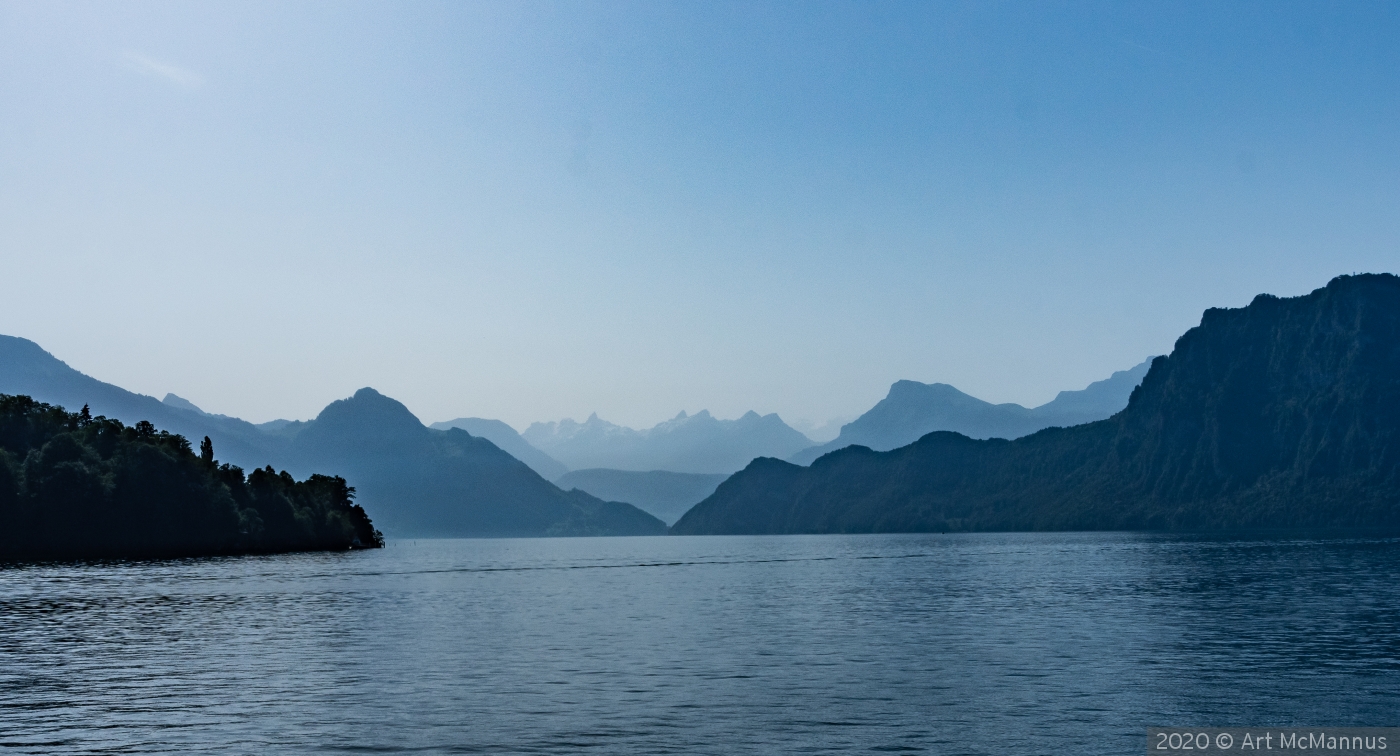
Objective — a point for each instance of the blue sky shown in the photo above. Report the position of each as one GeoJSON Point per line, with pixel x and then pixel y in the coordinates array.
{"type": "Point", "coordinates": [540, 210]}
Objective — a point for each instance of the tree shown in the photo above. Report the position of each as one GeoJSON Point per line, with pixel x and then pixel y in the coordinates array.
{"type": "Point", "coordinates": [98, 489]}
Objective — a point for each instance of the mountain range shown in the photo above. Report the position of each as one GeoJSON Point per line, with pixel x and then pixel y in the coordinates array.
{"type": "Point", "coordinates": [663, 494]}
{"type": "Point", "coordinates": [698, 443]}
{"type": "Point", "coordinates": [1283, 414]}
{"type": "Point", "coordinates": [508, 440]}
{"type": "Point", "coordinates": [413, 480]}
{"type": "Point", "coordinates": [26, 369]}
{"type": "Point", "coordinates": [913, 409]}
{"type": "Point", "coordinates": [426, 482]}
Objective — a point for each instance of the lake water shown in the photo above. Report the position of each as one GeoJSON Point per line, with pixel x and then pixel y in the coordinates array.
{"type": "Point", "coordinates": [948, 644]}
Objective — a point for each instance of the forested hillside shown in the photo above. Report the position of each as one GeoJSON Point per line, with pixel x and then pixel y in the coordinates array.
{"type": "Point", "coordinates": [77, 486]}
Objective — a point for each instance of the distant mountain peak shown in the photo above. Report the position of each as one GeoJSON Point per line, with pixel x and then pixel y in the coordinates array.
{"type": "Point", "coordinates": [913, 409]}
{"type": "Point", "coordinates": [907, 387]}
{"type": "Point", "coordinates": [699, 443]}
{"type": "Point", "coordinates": [17, 350]}
{"type": "Point", "coordinates": [368, 408]}
{"type": "Point", "coordinates": [509, 441]}
{"type": "Point", "coordinates": [178, 402]}
{"type": "Point", "coordinates": [1282, 415]}
{"type": "Point", "coordinates": [1099, 393]}
{"type": "Point", "coordinates": [26, 368]}
{"type": "Point", "coordinates": [419, 480]}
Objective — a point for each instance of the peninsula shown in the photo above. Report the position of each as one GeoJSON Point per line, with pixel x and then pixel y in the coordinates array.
{"type": "Point", "coordinates": [74, 486]}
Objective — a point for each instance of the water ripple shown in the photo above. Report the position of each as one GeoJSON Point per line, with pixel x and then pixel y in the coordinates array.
{"type": "Point", "coordinates": [949, 644]}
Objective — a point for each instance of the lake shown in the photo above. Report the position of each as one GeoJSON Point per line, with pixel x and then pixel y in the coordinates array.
{"type": "Point", "coordinates": [948, 644]}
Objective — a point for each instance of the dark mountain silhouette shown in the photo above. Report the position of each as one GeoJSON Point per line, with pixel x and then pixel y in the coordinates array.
{"type": "Point", "coordinates": [73, 486]}
{"type": "Point", "coordinates": [666, 495]}
{"type": "Point", "coordinates": [424, 482]}
{"type": "Point", "coordinates": [416, 481]}
{"type": "Point", "coordinates": [696, 443]}
{"type": "Point", "coordinates": [508, 440]}
{"type": "Point", "coordinates": [913, 409]}
{"type": "Point", "coordinates": [26, 369]}
{"type": "Point", "coordinates": [1281, 414]}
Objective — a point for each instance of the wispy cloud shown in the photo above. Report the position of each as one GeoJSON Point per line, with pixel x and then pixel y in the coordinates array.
{"type": "Point", "coordinates": [172, 73]}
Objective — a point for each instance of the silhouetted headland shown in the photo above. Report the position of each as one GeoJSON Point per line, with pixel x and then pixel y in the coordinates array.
{"type": "Point", "coordinates": [419, 482]}
{"type": "Point", "coordinates": [74, 486]}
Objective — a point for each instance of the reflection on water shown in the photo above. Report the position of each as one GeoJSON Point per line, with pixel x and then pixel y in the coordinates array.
{"type": "Point", "coordinates": [937, 643]}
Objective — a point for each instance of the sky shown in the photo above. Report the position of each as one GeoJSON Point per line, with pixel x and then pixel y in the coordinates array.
{"type": "Point", "coordinates": [532, 211]}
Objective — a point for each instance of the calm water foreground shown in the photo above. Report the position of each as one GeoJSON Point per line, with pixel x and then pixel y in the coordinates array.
{"type": "Point", "coordinates": [950, 644]}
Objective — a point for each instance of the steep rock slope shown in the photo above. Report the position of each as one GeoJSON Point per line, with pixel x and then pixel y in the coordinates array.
{"type": "Point", "coordinates": [1281, 414]}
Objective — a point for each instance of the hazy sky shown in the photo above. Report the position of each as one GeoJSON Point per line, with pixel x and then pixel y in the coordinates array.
{"type": "Point", "coordinates": [531, 211]}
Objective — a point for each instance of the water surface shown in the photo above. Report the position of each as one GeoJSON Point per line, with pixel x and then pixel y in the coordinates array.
{"type": "Point", "coordinates": [949, 644]}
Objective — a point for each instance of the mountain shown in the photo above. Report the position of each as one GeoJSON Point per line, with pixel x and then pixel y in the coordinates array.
{"type": "Point", "coordinates": [1098, 400]}
{"type": "Point", "coordinates": [416, 481]}
{"type": "Point", "coordinates": [508, 440]}
{"type": "Point", "coordinates": [424, 482]}
{"type": "Point", "coordinates": [664, 494]}
{"type": "Point", "coordinates": [913, 409]}
{"type": "Point", "coordinates": [26, 369]}
{"type": "Point", "coordinates": [1283, 414]}
{"type": "Point", "coordinates": [687, 443]}
{"type": "Point", "coordinates": [178, 402]}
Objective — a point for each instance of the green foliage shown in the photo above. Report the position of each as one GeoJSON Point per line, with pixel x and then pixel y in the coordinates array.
{"type": "Point", "coordinates": [77, 486]}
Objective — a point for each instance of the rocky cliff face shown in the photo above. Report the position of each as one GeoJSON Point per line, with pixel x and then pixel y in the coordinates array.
{"type": "Point", "coordinates": [1281, 414]}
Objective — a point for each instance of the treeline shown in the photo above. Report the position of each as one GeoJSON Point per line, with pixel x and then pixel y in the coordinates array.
{"type": "Point", "coordinates": [77, 486]}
